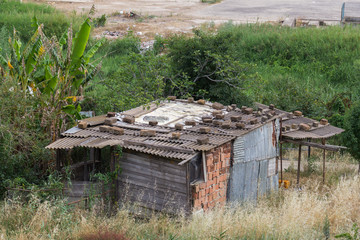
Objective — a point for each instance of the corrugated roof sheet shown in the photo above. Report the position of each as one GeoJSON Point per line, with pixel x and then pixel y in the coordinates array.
{"type": "Point", "coordinates": [319, 132]}
{"type": "Point", "coordinates": [184, 148]}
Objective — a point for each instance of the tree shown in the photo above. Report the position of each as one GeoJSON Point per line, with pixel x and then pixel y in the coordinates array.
{"type": "Point", "coordinates": [352, 131]}
{"type": "Point", "coordinates": [53, 70]}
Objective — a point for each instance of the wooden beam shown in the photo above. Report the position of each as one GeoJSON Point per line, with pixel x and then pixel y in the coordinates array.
{"type": "Point", "coordinates": [324, 158]}
{"type": "Point", "coordinates": [166, 148]}
{"type": "Point", "coordinates": [281, 163]}
{"type": "Point", "coordinates": [315, 145]}
{"type": "Point", "coordinates": [298, 170]}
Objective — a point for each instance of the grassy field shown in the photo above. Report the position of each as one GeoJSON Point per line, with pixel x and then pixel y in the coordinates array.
{"type": "Point", "coordinates": [315, 211]}
{"type": "Point", "coordinates": [17, 15]}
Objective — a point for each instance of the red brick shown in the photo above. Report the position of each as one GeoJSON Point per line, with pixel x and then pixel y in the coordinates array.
{"type": "Point", "coordinates": [207, 190]}
{"type": "Point", "coordinates": [209, 162]}
{"type": "Point", "coordinates": [202, 193]}
{"type": "Point", "coordinates": [222, 199]}
{"type": "Point", "coordinates": [208, 184]}
{"type": "Point", "coordinates": [197, 203]}
{"type": "Point", "coordinates": [202, 185]}
{"type": "Point", "coordinates": [211, 190]}
{"type": "Point", "coordinates": [211, 168]}
{"type": "Point", "coordinates": [209, 175]}
{"type": "Point", "coordinates": [195, 195]}
{"type": "Point", "coordinates": [215, 174]}
{"type": "Point", "coordinates": [197, 188]}
{"type": "Point", "coordinates": [205, 206]}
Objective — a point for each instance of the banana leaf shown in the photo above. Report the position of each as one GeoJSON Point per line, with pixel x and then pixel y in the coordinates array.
{"type": "Point", "coordinates": [80, 43]}
{"type": "Point", "coordinates": [33, 57]}
{"type": "Point", "coordinates": [93, 50]}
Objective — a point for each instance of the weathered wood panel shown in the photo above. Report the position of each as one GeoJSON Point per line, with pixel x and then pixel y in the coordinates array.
{"type": "Point", "coordinates": [153, 182]}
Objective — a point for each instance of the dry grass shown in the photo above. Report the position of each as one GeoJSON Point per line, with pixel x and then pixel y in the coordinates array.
{"type": "Point", "coordinates": [288, 214]}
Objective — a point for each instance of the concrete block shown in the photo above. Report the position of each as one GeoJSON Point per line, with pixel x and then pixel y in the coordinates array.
{"type": "Point", "coordinates": [248, 110]}
{"type": "Point", "coordinates": [204, 129]}
{"type": "Point", "coordinates": [272, 106]}
{"type": "Point", "coordinates": [253, 121]}
{"type": "Point", "coordinates": [324, 121]}
{"type": "Point", "coordinates": [217, 106]}
{"type": "Point", "coordinates": [217, 122]}
{"type": "Point", "coordinates": [190, 123]}
{"type": "Point", "coordinates": [226, 125]}
{"type": "Point", "coordinates": [110, 121]}
{"type": "Point", "coordinates": [175, 135]}
{"type": "Point", "coordinates": [190, 99]}
{"type": "Point", "coordinates": [315, 124]}
{"type": "Point", "coordinates": [104, 128]}
{"type": "Point", "coordinates": [82, 125]}
{"type": "Point", "coordinates": [171, 98]}
{"type": "Point", "coordinates": [110, 114]}
{"type": "Point", "coordinates": [147, 133]}
{"type": "Point", "coordinates": [116, 130]}
{"type": "Point", "coordinates": [297, 113]}
{"type": "Point", "coordinates": [153, 123]}
{"type": "Point", "coordinates": [129, 119]}
{"type": "Point", "coordinates": [235, 118]}
{"type": "Point", "coordinates": [201, 102]}
{"type": "Point", "coordinates": [216, 112]}
{"type": "Point", "coordinates": [240, 125]}
{"type": "Point", "coordinates": [219, 116]}
{"type": "Point", "coordinates": [179, 126]}
{"type": "Point", "coordinates": [202, 140]}
{"type": "Point", "coordinates": [304, 127]}
{"type": "Point", "coordinates": [294, 126]}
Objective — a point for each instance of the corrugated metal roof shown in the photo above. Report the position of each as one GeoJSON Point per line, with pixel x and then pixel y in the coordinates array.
{"type": "Point", "coordinates": [184, 148]}
{"type": "Point", "coordinates": [321, 131]}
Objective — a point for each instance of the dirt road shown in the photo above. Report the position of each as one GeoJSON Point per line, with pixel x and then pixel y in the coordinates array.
{"type": "Point", "coordinates": [181, 16]}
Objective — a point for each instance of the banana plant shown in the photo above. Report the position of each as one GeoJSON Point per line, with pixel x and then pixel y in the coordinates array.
{"type": "Point", "coordinates": [53, 70]}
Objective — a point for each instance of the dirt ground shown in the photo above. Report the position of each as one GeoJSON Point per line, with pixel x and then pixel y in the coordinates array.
{"type": "Point", "coordinates": [166, 17]}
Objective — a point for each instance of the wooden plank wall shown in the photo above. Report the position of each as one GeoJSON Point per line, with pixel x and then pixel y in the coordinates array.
{"type": "Point", "coordinates": [153, 182]}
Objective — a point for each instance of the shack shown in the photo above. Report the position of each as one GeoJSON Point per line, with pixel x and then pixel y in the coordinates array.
{"type": "Point", "coordinates": [186, 155]}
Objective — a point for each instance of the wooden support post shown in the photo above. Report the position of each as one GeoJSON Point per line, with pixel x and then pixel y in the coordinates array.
{"type": "Point", "coordinates": [86, 174]}
{"type": "Point", "coordinates": [298, 170]}
{"type": "Point", "coordinates": [309, 149]}
{"type": "Point", "coordinates": [281, 163]}
{"type": "Point", "coordinates": [324, 158]}
{"type": "Point", "coordinates": [281, 152]}
{"type": "Point", "coordinates": [58, 159]}
{"type": "Point", "coordinates": [92, 159]}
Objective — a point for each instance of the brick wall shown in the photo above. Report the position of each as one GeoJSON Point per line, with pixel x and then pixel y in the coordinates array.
{"type": "Point", "coordinates": [212, 193]}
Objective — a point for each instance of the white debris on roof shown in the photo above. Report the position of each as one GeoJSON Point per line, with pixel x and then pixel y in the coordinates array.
{"type": "Point", "coordinates": [175, 112]}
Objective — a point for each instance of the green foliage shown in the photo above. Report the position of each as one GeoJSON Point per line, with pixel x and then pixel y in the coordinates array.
{"type": "Point", "coordinates": [14, 14]}
{"type": "Point", "coordinates": [100, 21]}
{"type": "Point", "coordinates": [137, 80]}
{"type": "Point", "coordinates": [351, 135]}
{"type": "Point", "coordinates": [348, 236]}
{"type": "Point", "coordinates": [326, 228]}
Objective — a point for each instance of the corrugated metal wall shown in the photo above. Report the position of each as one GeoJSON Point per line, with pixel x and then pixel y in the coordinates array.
{"type": "Point", "coordinates": [253, 173]}
{"type": "Point", "coordinates": [153, 182]}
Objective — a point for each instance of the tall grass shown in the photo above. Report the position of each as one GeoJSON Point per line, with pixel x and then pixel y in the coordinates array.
{"type": "Point", "coordinates": [14, 14]}
{"type": "Point", "coordinates": [288, 214]}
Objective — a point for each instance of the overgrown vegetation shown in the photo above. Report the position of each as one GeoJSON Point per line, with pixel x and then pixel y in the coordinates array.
{"type": "Point", "coordinates": [315, 212]}
{"type": "Point", "coordinates": [42, 84]}
{"type": "Point", "coordinates": [14, 14]}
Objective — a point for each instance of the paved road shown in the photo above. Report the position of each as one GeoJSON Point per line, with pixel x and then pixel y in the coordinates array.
{"type": "Point", "coordinates": [272, 10]}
